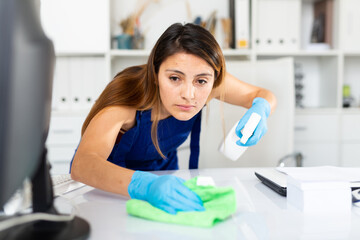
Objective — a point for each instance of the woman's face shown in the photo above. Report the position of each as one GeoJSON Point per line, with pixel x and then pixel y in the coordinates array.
{"type": "Point", "coordinates": [185, 83]}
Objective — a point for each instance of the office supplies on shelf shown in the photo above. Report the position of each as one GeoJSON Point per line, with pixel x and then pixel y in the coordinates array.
{"type": "Point", "coordinates": [242, 24]}
{"type": "Point", "coordinates": [232, 17]}
{"type": "Point", "coordinates": [323, 21]}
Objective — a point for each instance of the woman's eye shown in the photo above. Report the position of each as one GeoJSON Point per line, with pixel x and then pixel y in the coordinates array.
{"type": "Point", "coordinates": [202, 81]}
{"type": "Point", "coordinates": [173, 78]}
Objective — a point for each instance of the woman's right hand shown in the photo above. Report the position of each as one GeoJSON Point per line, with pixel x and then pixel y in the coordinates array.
{"type": "Point", "coordinates": [166, 192]}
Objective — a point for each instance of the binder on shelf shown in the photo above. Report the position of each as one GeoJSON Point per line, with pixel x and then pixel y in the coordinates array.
{"type": "Point", "coordinates": [61, 86]}
{"type": "Point", "coordinates": [94, 75]}
{"type": "Point", "coordinates": [88, 82]}
{"type": "Point", "coordinates": [278, 25]}
{"type": "Point", "coordinates": [86, 76]}
{"type": "Point", "coordinates": [100, 81]}
{"type": "Point", "coordinates": [242, 24]}
{"type": "Point", "coordinates": [78, 73]}
{"type": "Point", "coordinates": [350, 25]}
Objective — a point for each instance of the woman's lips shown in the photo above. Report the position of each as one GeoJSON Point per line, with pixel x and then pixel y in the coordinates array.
{"type": "Point", "coordinates": [185, 107]}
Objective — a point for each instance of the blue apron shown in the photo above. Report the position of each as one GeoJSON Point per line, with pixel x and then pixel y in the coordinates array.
{"type": "Point", "coordinates": [136, 151]}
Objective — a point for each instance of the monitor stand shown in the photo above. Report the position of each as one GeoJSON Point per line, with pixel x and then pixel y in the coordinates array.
{"type": "Point", "coordinates": [43, 202]}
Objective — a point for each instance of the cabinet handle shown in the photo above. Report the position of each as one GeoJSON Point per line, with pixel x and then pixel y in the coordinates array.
{"type": "Point", "coordinates": [62, 131]}
{"type": "Point", "coordinates": [300, 128]}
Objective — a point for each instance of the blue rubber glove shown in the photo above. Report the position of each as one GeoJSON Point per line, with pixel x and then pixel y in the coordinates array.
{"type": "Point", "coordinates": [261, 107]}
{"type": "Point", "coordinates": [165, 192]}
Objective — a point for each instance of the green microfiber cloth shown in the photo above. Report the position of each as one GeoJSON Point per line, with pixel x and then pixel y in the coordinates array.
{"type": "Point", "coordinates": [219, 202]}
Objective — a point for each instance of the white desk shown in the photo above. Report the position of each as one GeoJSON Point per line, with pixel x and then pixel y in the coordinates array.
{"type": "Point", "coordinates": [261, 214]}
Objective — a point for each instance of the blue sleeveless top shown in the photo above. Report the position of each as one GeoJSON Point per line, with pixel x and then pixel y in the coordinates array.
{"type": "Point", "coordinates": [136, 151]}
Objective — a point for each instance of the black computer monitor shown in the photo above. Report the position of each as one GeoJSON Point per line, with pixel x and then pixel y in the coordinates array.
{"type": "Point", "coordinates": [26, 72]}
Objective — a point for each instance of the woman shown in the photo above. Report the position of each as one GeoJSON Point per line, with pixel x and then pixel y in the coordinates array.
{"type": "Point", "coordinates": [147, 111]}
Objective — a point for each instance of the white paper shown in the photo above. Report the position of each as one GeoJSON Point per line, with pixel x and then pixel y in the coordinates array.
{"type": "Point", "coordinates": [323, 173]}
{"type": "Point", "coordinates": [205, 181]}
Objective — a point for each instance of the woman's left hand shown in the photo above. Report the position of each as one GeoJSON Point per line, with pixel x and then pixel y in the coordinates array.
{"type": "Point", "coordinates": [261, 107]}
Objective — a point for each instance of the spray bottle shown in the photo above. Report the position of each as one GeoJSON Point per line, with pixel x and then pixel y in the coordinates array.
{"type": "Point", "coordinates": [229, 147]}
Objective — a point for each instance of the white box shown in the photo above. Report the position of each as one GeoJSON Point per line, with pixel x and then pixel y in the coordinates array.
{"type": "Point", "coordinates": [319, 196]}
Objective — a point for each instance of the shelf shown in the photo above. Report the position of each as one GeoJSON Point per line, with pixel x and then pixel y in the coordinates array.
{"type": "Point", "coordinates": [226, 52]}
{"type": "Point", "coordinates": [300, 53]}
{"type": "Point", "coordinates": [129, 52]}
{"type": "Point", "coordinates": [145, 53]}
{"type": "Point", "coordinates": [80, 54]}
{"type": "Point", "coordinates": [311, 111]}
{"type": "Point", "coordinates": [352, 54]}
{"type": "Point", "coordinates": [352, 110]}
{"type": "Point", "coordinates": [69, 112]}
{"type": "Point", "coordinates": [236, 52]}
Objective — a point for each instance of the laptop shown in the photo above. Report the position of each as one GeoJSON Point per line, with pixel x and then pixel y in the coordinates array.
{"type": "Point", "coordinates": [273, 179]}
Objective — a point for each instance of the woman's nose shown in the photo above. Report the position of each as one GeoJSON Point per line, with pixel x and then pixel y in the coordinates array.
{"type": "Point", "coordinates": [188, 91]}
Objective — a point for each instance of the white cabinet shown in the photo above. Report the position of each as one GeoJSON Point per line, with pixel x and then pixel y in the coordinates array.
{"type": "Point", "coordinates": [85, 30]}
{"type": "Point", "coordinates": [328, 138]}
{"type": "Point", "coordinates": [64, 137]}
{"type": "Point", "coordinates": [350, 154]}
{"type": "Point", "coordinates": [350, 127]}
{"type": "Point", "coordinates": [350, 144]}
{"type": "Point", "coordinates": [318, 153]}
{"type": "Point", "coordinates": [316, 128]}
{"type": "Point", "coordinates": [316, 137]}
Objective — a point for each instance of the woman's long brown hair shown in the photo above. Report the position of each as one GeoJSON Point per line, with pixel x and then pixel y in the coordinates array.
{"type": "Point", "coordinates": [137, 86]}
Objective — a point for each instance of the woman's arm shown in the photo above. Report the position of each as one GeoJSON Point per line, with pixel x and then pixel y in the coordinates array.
{"type": "Point", "coordinates": [91, 167]}
{"type": "Point", "coordinates": [242, 94]}
{"type": "Point", "coordinates": [257, 100]}
{"type": "Point", "coordinates": [90, 164]}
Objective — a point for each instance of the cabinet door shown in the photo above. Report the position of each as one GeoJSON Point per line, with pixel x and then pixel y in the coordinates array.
{"type": "Point", "coordinates": [350, 127]}
{"type": "Point", "coordinates": [316, 128]}
{"type": "Point", "coordinates": [65, 130]}
{"type": "Point", "coordinates": [64, 136]}
{"type": "Point", "coordinates": [350, 154]}
{"type": "Point", "coordinates": [61, 153]}
{"type": "Point", "coordinates": [60, 168]}
{"type": "Point", "coordinates": [318, 154]}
